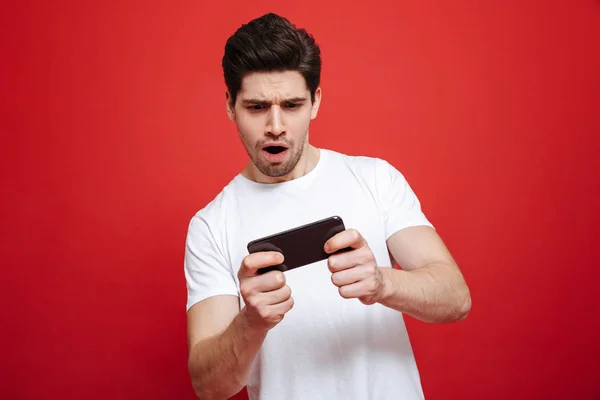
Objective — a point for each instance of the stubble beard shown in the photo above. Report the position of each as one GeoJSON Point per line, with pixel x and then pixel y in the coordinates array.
{"type": "Point", "coordinates": [278, 169]}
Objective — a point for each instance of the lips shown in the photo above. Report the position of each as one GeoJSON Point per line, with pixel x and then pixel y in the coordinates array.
{"type": "Point", "coordinates": [274, 148]}
{"type": "Point", "coordinates": [275, 152]}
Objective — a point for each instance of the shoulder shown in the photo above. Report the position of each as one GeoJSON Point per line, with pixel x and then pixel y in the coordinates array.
{"type": "Point", "coordinates": [370, 168]}
{"type": "Point", "coordinates": [218, 207]}
{"type": "Point", "coordinates": [355, 162]}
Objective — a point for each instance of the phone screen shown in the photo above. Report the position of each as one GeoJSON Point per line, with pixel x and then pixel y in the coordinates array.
{"type": "Point", "coordinates": [301, 245]}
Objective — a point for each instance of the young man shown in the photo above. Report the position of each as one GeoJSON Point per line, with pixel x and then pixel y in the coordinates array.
{"type": "Point", "coordinates": [343, 335]}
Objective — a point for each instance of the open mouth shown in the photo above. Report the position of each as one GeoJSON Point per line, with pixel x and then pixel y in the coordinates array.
{"type": "Point", "coordinates": [275, 149]}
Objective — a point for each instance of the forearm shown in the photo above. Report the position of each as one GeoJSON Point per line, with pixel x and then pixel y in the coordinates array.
{"type": "Point", "coordinates": [220, 366]}
{"type": "Point", "coordinates": [435, 293]}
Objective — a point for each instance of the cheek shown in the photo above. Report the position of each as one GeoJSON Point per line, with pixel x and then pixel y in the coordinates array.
{"type": "Point", "coordinates": [300, 124]}
{"type": "Point", "coordinates": [250, 129]}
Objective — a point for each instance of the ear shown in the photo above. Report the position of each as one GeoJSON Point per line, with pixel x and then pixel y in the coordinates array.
{"type": "Point", "coordinates": [229, 106]}
{"type": "Point", "coordinates": [316, 104]}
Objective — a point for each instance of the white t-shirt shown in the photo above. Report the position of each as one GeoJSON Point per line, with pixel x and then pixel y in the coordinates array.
{"type": "Point", "coordinates": [326, 347]}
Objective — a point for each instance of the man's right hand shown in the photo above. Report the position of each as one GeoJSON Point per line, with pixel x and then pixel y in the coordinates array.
{"type": "Point", "coordinates": [266, 296]}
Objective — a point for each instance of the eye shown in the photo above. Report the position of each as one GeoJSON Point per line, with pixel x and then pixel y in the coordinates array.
{"type": "Point", "coordinates": [293, 105]}
{"type": "Point", "coordinates": [255, 107]}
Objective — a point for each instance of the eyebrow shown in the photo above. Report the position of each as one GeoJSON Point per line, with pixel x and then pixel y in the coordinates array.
{"type": "Point", "coordinates": [259, 101]}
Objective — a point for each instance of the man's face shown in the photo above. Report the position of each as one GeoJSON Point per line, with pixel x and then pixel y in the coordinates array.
{"type": "Point", "coordinates": [273, 111]}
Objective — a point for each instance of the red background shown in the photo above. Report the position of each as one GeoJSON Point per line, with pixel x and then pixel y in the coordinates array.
{"type": "Point", "coordinates": [114, 133]}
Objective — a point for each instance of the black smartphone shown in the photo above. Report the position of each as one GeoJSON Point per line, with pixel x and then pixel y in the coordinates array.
{"type": "Point", "coordinates": [301, 245]}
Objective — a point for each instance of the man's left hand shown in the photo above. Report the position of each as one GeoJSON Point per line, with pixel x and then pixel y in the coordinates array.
{"type": "Point", "coordinates": [355, 272]}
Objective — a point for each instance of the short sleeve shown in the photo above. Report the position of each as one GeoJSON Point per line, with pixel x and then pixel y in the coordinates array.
{"type": "Point", "coordinates": [400, 206]}
{"type": "Point", "coordinates": [207, 272]}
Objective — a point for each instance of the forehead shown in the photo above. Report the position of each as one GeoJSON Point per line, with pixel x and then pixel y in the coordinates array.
{"type": "Point", "coordinates": [273, 85]}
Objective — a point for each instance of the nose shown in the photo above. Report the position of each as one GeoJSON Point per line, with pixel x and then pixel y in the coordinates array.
{"type": "Point", "coordinates": [275, 124]}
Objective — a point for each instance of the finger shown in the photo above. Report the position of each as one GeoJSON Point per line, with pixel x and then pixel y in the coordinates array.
{"type": "Point", "coordinates": [350, 275]}
{"type": "Point", "coordinates": [271, 298]}
{"type": "Point", "coordinates": [255, 261]}
{"type": "Point", "coordinates": [268, 282]}
{"type": "Point", "coordinates": [359, 289]}
{"type": "Point", "coordinates": [368, 300]}
{"type": "Point", "coordinates": [283, 307]}
{"type": "Point", "coordinates": [273, 314]}
{"type": "Point", "coordinates": [349, 259]}
{"type": "Point", "coordinates": [349, 238]}
{"type": "Point", "coordinates": [340, 262]}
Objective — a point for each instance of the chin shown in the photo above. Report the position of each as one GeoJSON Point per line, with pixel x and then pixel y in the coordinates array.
{"type": "Point", "coordinates": [275, 171]}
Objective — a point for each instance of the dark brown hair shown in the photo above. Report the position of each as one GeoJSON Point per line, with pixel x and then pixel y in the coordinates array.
{"type": "Point", "coordinates": [270, 43]}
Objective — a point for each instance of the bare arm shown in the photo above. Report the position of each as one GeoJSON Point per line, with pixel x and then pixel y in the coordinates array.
{"type": "Point", "coordinates": [222, 347]}
{"type": "Point", "coordinates": [430, 286]}
{"type": "Point", "coordinates": [224, 341]}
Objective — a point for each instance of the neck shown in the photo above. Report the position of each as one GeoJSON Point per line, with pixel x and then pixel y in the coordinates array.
{"type": "Point", "coordinates": [306, 163]}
